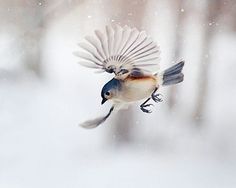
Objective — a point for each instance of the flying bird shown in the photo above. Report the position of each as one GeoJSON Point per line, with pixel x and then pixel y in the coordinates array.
{"type": "Point", "coordinates": [134, 59]}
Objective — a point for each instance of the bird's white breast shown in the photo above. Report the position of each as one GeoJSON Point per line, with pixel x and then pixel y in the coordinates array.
{"type": "Point", "coordinates": [137, 89]}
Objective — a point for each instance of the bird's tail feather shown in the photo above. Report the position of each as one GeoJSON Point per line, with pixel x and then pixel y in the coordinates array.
{"type": "Point", "coordinates": [173, 75]}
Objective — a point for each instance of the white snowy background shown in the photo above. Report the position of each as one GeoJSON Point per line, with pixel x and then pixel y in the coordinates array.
{"type": "Point", "coordinates": [41, 144]}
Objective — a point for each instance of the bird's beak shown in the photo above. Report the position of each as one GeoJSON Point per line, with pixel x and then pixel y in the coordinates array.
{"type": "Point", "coordinates": [103, 100]}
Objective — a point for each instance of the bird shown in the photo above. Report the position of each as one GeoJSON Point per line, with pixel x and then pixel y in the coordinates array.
{"type": "Point", "coordinates": [134, 59]}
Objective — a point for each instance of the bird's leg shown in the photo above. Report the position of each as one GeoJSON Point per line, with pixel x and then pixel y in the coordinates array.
{"type": "Point", "coordinates": [144, 105]}
{"type": "Point", "coordinates": [156, 96]}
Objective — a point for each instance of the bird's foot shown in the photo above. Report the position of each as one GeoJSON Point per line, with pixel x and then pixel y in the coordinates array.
{"type": "Point", "coordinates": [143, 107]}
{"type": "Point", "coordinates": [157, 97]}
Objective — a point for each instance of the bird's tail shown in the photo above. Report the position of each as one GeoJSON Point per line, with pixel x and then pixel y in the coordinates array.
{"type": "Point", "coordinates": [172, 75]}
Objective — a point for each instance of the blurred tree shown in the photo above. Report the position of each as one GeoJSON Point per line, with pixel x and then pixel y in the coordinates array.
{"type": "Point", "coordinates": [24, 25]}
{"type": "Point", "coordinates": [39, 14]}
{"type": "Point", "coordinates": [26, 22]}
{"type": "Point", "coordinates": [213, 10]}
{"type": "Point", "coordinates": [228, 8]}
{"type": "Point", "coordinates": [130, 13]}
{"type": "Point", "coordinates": [178, 45]}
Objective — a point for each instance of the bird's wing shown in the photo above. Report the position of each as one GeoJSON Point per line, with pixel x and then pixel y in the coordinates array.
{"type": "Point", "coordinates": [90, 124]}
{"type": "Point", "coordinates": [119, 50]}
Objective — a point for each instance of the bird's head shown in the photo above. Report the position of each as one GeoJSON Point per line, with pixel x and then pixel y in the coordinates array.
{"type": "Point", "coordinates": [110, 90]}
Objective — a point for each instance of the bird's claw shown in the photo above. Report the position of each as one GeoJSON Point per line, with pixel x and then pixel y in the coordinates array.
{"type": "Point", "coordinates": [144, 109]}
{"type": "Point", "coordinates": [157, 97]}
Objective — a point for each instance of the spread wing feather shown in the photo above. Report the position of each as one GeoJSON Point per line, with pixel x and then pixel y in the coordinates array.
{"type": "Point", "coordinates": [119, 49]}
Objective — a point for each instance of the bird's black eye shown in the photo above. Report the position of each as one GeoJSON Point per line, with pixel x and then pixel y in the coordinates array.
{"type": "Point", "coordinates": [107, 93]}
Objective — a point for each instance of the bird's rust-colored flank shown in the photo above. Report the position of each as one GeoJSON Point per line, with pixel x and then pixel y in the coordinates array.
{"type": "Point", "coordinates": [141, 78]}
{"type": "Point", "coordinates": [136, 88]}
